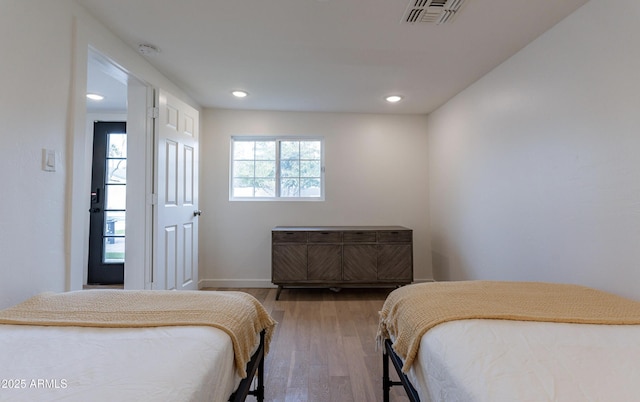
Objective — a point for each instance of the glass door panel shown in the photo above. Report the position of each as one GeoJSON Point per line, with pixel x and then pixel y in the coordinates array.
{"type": "Point", "coordinates": [108, 204]}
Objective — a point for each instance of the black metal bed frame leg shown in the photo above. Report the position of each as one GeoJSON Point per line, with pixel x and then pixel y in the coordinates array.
{"type": "Point", "coordinates": [386, 386]}
{"type": "Point", "coordinates": [255, 368]}
{"type": "Point", "coordinates": [259, 392]}
{"type": "Point", "coordinates": [386, 378]}
{"type": "Point", "coordinates": [389, 354]}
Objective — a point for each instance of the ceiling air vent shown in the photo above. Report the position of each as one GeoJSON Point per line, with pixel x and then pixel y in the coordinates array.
{"type": "Point", "coordinates": [432, 11]}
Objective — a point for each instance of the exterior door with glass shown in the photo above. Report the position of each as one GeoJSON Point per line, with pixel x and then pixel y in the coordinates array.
{"type": "Point", "coordinates": [108, 202]}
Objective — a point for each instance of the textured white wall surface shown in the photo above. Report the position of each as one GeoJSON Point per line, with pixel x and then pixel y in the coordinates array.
{"type": "Point", "coordinates": [43, 215]}
{"type": "Point", "coordinates": [35, 43]}
{"type": "Point", "coordinates": [534, 169]}
{"type": "Point", "coordinates": [375, 175]}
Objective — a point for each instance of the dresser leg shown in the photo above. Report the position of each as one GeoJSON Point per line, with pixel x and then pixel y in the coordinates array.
{"type": "Point", "coordinates": [278, 293]}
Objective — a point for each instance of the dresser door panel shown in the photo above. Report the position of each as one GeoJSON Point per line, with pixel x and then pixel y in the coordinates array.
{"type": "Point", "coordinates": [325, 262]}
{"type": "Point", "coordinates": [394, 262]}
{"type": "Point", "coordinates": [360, 262]}
{"type": "Point", "coordinates": [289, 262]}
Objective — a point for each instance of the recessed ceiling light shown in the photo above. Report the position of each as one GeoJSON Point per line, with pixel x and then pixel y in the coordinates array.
{"type": "Point", "coordinates": [239, 94]}
{"type": "Point", "coordinates": [95, 97]}
{"type": "Point", "coordinates": [393, 98]}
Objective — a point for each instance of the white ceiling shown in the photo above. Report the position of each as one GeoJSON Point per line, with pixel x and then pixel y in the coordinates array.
{"type": "Point", "coordinates": [325, 55]}
{"type": "Point", "coordinates": [103, 78]}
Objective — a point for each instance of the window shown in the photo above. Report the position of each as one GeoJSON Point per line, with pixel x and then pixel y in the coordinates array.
{"type": "Point", "coordinates": [273, 168]}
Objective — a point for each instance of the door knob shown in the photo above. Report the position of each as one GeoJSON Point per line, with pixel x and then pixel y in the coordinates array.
{"type": "Point", "coordinates": [197, 212]}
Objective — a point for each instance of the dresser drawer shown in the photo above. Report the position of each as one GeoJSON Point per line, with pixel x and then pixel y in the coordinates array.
{"type": "Point", "coordinates": [325, 237]}
{"type": "Point", "coordinates": [359, 237]}
{"type": "Point", "coordinates": [289, 237]}
{"type": "Point", "coordinates": [395, 236]}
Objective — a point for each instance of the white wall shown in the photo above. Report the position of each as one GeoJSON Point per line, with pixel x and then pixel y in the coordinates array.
{"type": "Point", "coordinates": [375, 175]}
{"type": "Point", "coordinates": [534, 169]}
{"type": "Point", "coordinates": [35, 44]}
{"type": "Point", "coordinates": [43, 217]}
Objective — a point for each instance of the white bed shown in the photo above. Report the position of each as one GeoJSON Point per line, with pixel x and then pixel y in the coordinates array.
{"type": "Point", "coordinates": [102, 364]}
{"type": "Point", "coordinates": [491, 341]}
{"type": "Point", "coordinates": [118, 345]}
{"type": "Point", "coordinates": [500, 360]}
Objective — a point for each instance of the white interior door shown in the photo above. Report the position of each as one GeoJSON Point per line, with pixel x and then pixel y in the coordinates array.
{"type": "Point", "coordinates": [176, 212]}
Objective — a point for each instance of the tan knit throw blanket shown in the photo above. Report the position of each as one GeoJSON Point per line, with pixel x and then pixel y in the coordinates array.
{"type": "Point", "coordinates": [412, 310]}
{"type": "Point", "coordinates": [238, 314]}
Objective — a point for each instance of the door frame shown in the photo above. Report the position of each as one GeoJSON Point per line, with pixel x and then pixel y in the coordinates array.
{"type": "Point", "coordinates": [87, 34]}
{"type": "Point", "coordinates": [140, 130]}
{"type": "Point", "coordinates": [140, 173]}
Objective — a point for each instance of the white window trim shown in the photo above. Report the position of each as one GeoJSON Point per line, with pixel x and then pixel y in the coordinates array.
{"type": "Point", "coordinates": [277, 138]}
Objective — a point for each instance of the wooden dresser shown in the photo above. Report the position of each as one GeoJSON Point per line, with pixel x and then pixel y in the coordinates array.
{"type": "Point", "coordinates": [341, 256]}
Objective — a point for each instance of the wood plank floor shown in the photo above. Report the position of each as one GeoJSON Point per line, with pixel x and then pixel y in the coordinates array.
{"type": "Point", "coordinates": [324, 346]}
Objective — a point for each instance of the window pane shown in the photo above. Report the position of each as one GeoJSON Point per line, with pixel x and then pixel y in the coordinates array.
{"type": "Point", "coordinates": [290, 168]}
{"type": "Point", "coordinates": [266, 150]}
{"type": "Point", "coordinates": [243, 150]}
{"type": "Point", "coordinates": [113, 250]}
{"type": "Point", "coordinates": [289, 188]}
{"type": "Point", "coordinates": [310, 188]}
{"type": "Point", "coordinates": [265, 188]}
{"type": "Point", "coordinates": [266, 169]}
{"type": "Point", "coordinates": [310, 169]}
{"type": "Point", "coordinates": [243, 169]}
{"type": "Point", "coordinates": [310, 150]}
{"type": "Point", "coordinates": [116, 196]}
{"type": "Point", "coordinates": [116, 171]}
{"type": "Point", "coordinates": [114, 223]}
{"type": "Point", "coordinates": [117, 145]}
{"type": "Point", "coordinates": [243, 187]}
{"type": "Point", "coordinates": [289, 150]}
{"type": "Point", "coordinates": [276, 167]}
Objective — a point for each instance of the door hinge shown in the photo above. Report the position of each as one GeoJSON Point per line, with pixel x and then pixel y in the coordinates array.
{"type": "Point", "coordinates": [152, 199]}
{"type": "Point", "coordinates": [153, 112]}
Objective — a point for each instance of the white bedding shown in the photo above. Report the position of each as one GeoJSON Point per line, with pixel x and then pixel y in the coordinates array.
{"type": "Point", "coordinates": [500, 360]}
{"type": "Point", "coordinates": [115, 364]}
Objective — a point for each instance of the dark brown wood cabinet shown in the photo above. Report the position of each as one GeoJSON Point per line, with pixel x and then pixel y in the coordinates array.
{"type": "Point", "coordinates": [341, 256]}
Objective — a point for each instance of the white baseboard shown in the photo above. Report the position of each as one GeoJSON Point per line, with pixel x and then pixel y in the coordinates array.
{"type": "Point", "coordinates": [423, 280]}
{"type": "Point", "coordinates": [235, 283]}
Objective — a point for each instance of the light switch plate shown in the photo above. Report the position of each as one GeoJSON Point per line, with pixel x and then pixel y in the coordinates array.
{"type": "Point", "coordinates": [49, 160]}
